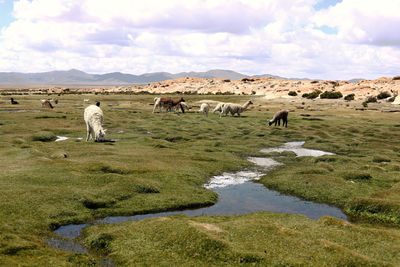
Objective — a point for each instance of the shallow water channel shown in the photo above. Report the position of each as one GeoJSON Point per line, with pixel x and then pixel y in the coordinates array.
{"type": "Point", "coordinates": [237, 194]}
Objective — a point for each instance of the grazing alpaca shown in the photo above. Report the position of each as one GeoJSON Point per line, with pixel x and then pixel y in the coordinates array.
{"type": "Point", "coordinates": [181, 106]}
{"type": "Point", "coordinates": [93, 116]}
{"type": "Point", "coordinates": [283, 114]}
{"type": "Point", "coordinates": [13, 102]}
{"type": "Point", "coordinates": [46, 104]}
{"type": "Point", "coordinates": [234, 108]}
{"type": "Point", "coordinates": [204, 108]}
{"type": "Point", "coordinates": [168, 103]}
{"type": "Point", "coordinates": [157, 103]}
{"type": "Point", "coordinates": [219, 107]}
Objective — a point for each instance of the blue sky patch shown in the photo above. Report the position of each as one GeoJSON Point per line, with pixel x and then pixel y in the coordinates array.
{"type": "Point", "coordinates": [6, 8]}
{"type": "Point", "coordinates": [328, 30]}
{"type": "Point", "coordinates": [323, 4]}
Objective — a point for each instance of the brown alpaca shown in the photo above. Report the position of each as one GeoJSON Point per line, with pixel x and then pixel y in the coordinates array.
{"type": "Point", "coordinates": [168, 103]}
{"type": "Point", "coordinates": [283, 114]}
{"type": "Point", "coordinates": [46, 104]}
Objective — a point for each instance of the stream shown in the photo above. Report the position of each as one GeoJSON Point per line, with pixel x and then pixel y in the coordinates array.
{"type": "Point", "coordinates": [237, 194]}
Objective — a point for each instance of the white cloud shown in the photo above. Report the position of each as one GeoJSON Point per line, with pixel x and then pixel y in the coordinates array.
{"type": "Point", "coordinates": [281, 37]}
{"type": "Point", "coordinates": [365, 22]}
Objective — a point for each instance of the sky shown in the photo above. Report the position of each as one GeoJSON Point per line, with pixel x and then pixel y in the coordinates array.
{"type": "Point", "coordinates": [316, 39]}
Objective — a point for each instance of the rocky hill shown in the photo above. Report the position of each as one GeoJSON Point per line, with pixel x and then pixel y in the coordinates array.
{"type": "Point", "coordinates": [266, 86]}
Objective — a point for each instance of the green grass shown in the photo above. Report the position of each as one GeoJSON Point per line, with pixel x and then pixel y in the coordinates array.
{"type": "Point", "coordinates": [44, 136]}
{"type": "Point", "coordinates": [45, 184]}
{"type": "Point", "coordinates": [260, 239]}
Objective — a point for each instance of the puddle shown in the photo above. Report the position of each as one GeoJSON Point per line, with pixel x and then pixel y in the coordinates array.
{"type": "Point", "coordinates": [296, 147]}
{"type": "Point", "coordinates": [237, 194]}
{"type": "Point", "coordinates": [71, 231]}
{"type": "Point", "coordinates": [67, 245]}
{"type": "Point", "coordinates": [61, 138]}
{"type": "Point", "coordinates": [237, 178]}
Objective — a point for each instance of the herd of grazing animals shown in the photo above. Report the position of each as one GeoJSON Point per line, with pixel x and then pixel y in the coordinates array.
{"type": "Point", "coordinates": [93, 115]}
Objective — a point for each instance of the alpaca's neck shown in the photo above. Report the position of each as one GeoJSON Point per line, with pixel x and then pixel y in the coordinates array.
{"type": "Point", "coordinates": [246, 105]}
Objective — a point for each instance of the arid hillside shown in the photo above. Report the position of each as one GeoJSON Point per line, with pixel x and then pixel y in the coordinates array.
{"type": "Point", "coordinates": [270, 87]}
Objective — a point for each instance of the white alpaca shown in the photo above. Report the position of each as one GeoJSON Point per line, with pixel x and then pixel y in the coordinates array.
{"type": "Point", "coordinates": [219, 107]}
{"type": "Point", "coordinates": [93, 116]}
{"type": "Point", "coordinates": [157, 103]}
{"type": "Point", "coordinates": [234, 108]}
{"type": "Point", "coordinates": [204, 108]}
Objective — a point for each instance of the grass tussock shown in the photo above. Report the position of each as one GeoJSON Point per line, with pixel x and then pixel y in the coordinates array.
{"type": "Point", "coordinates": [383, 95]}
{"type": "Point", "coordinates": [44, 136]}
{"type": "Point", "coordinates": [357, 176]}
{"type": "Point", "coordinates": [314, 94]}
{"type": "Point", "coordinates": [349, 97]}
{"type": "Point", "coordinates": [145, 189]}
{"type": "Point", "coordinates": [375, 210]}
{"type": "Point", "coordinates": [331, 95]}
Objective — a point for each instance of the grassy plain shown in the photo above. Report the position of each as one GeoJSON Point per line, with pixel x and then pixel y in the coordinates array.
{"type": "Point", "coordinates": [160, 162]}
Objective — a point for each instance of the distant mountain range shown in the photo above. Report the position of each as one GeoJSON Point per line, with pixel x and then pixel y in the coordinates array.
{"type": "Point", "coordinates": [75, 77]}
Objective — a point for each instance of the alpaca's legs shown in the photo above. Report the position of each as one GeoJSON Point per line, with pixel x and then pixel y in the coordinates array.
{"type": "Point", "coordinates": [157, 104]}
{"type": "Point", "coordinates": [87, 132]}
{"type": "Point", "coordinates": [93, 134]}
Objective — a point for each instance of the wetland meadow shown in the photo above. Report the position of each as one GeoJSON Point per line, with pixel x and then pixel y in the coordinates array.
{"type": "Point", "coordinates": [160, 162]}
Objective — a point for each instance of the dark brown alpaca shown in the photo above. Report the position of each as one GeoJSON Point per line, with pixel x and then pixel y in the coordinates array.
{"type": "Point", "coordinates": [283, 114]}
{"type": "Point", "coordinates": [13, 102]}
{"type": "Point", "coordinates": [169, 103]}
